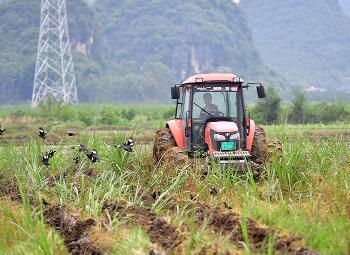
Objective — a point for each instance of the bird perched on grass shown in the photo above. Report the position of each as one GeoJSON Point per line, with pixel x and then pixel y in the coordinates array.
{"type": "Point", "coordinates": [42, 133]}
{"type": "Point", "coordinates": [76, 160]}
{"type": "Point", "coordinates": [70, 134]}
{"type": "Point", "coordinates": [127, 146]}
{"type": "Point", "coordinates": [46, 158]}
{"type": "Point", "coordinates": [213, 191]}
{"type": "Point", "coordinates": [2, 130]}
{"type": "Point", "coordinates": [51, 153]}
{"type": "Point", "coordinates": [92, 155]}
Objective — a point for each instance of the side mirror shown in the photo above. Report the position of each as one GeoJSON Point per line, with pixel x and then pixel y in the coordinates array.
{"type": "Point", "coordinates": [261, 91]}
{"type": "Point", "coordinates": [175, 93]}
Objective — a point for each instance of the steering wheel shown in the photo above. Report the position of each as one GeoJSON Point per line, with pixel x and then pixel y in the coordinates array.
{"type": "Point", "coordinates": [205, 115]}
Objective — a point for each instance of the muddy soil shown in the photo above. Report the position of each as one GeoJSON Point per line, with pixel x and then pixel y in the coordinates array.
{"type": "Point", "coordinates": [73, 230]}
{"type": "Point", "coordinates": [229, 224]}
{"type": "Point", "coordinates": [159, 231]}
{"type": "Point", "coordinates": [9, 188]}
{"type": "Point", "coordinates": [165, 150]}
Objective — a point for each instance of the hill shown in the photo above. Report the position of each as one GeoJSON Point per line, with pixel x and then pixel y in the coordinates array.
{"type": "Point", "coordinates": [306, 41]}
{"type": "Point", "coordinates": [181, 38]}
{"type": "Point", "coordinates": [132, 51]}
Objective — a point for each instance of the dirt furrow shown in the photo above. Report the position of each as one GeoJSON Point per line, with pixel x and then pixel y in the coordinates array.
{"type": "Point", "coordinates": [73, 230]}
{"type": "Point", "coordinates": [159, 231]}
{"type": "Point", "coordinates": [230, 224]}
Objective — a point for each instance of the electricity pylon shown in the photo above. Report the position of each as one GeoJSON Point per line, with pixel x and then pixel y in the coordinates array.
{"type": "Point", "coordinates": [54, 73]}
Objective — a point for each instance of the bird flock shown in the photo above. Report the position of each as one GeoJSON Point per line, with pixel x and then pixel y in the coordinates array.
{"type": "Point", "coordinates": [128, 146]}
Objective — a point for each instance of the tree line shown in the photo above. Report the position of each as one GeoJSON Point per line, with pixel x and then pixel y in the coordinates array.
{"type": "Point", "coordinates": [272, 110]}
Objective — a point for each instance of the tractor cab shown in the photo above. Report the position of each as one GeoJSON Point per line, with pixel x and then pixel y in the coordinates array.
{"type": "Point", "coordinates": [211, 116]}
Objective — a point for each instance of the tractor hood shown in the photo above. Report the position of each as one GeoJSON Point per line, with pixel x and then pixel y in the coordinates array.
{"type": "Point", "coordinates": [218, 132]}
{"type": "Point", "coordinates": [222, 126]}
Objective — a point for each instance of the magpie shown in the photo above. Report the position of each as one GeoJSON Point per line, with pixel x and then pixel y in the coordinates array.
{"type": "Point", "coordinates": [76, 160]}
{"type": "Point", "coordinates": [2, 130]}
{"type": "Point", "coordinates": [92, 155]}
{"type": "Point", "coordinates": [42, 133]}
{"type": "Point", "coordinates": [45, 160]}
{"type": "Point", "coordinates": [51, 153]}
{"type": "Point", "coordinates": [127, 146]}
{"type": "Point", "coordinates": [213, 191]}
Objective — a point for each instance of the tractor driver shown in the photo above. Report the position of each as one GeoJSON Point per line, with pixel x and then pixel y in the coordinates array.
{"type": "Point", "coordinates": [209, 106]}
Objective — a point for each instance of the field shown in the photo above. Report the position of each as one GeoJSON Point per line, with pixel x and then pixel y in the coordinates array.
{"type": "Point", "coordinates": [126, 204]}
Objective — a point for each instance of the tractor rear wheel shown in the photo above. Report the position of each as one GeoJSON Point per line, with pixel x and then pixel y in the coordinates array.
{"type": "Point", "coordinates": [260, 147]}
{"type": "Point", "coordinates": [165, 149]}
{"type": "Point", "coordinates": [263, 150]}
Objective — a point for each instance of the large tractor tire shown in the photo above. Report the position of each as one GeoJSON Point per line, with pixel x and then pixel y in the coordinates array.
{"type": "Point", "coordinates": [165, 149]}
{"type": "Point", "coordinates": [260, 147]}
{"type": "Point", "coordinates": [264, 151]}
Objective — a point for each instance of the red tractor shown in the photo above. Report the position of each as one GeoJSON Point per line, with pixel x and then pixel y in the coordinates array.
{"type": "Point", "coordinates": [211, 121]}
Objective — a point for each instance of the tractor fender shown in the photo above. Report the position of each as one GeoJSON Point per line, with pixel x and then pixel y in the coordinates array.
{"type": "Point", "coordinates": [177, 129]}
{"type": "Point", "coordinates": [250, 136]}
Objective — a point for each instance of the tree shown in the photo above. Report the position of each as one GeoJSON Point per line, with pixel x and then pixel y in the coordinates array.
{"type": "Point", "coordinates": [267, 110]}
{"type": "Point", "coordinates": [297, 114]}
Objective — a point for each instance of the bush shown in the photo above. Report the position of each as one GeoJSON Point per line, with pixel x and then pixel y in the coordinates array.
{"type": "Point", "coordinates": [108, 116]}
{"type": "Point", "coordinates": [128, 114]}
{"type": "Point", "coordinates": [298, 111]}
{"type": "Point", "coordinates": [86, 117]}
{"type": "Point", "coordinates": [327, 112]}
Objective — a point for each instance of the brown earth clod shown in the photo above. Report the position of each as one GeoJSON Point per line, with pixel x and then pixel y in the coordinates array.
{"type": "Point", "coordinates": [165, 149]}
{"type": "Point", "coordinates": [73, 230]}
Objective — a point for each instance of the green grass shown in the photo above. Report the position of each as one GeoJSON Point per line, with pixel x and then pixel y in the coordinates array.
{"type": "Point", "coordinates": [305, 193]}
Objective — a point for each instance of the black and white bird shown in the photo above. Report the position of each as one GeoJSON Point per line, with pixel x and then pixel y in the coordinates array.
{"type": "Point", "coordinates": [213, 191]}
{"type": "Point", "coordinates": [2, 130]}
{"type": "Point", "coordinates": [76, 160]}
{"type": "Point", "coordinates": [70, 134]}
{"type": "Point", "coordinates": [51, 153]}
{"type": "Point", "coordinates": [127, 146]}
{"type": "Point", "coordinates": [45, 160]}
{"type": "Point", "coordinates": [42, 133]}
{"type": "Point", "coordinates": [92, 155]}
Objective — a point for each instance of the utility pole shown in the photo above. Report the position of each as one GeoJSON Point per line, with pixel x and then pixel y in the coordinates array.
{"type": "Point", "coordinates": [54, 72]}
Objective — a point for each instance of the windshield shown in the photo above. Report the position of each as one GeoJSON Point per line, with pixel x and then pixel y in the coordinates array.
{"type": "Point", "coordinates": [214, 104]}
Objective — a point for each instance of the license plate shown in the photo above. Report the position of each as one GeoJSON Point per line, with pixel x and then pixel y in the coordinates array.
{"type": "Point", "coordinates": [228, 146]}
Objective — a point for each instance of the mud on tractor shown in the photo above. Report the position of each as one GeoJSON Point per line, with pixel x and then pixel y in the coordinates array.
{"type": "Point", "coordinates": [211, 122]}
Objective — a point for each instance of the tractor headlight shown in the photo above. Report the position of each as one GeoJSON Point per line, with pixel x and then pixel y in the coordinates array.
{"type": "Point", "coordinates": [219, 138]}
{"type": "Point", "coordinates": [235, 136]}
